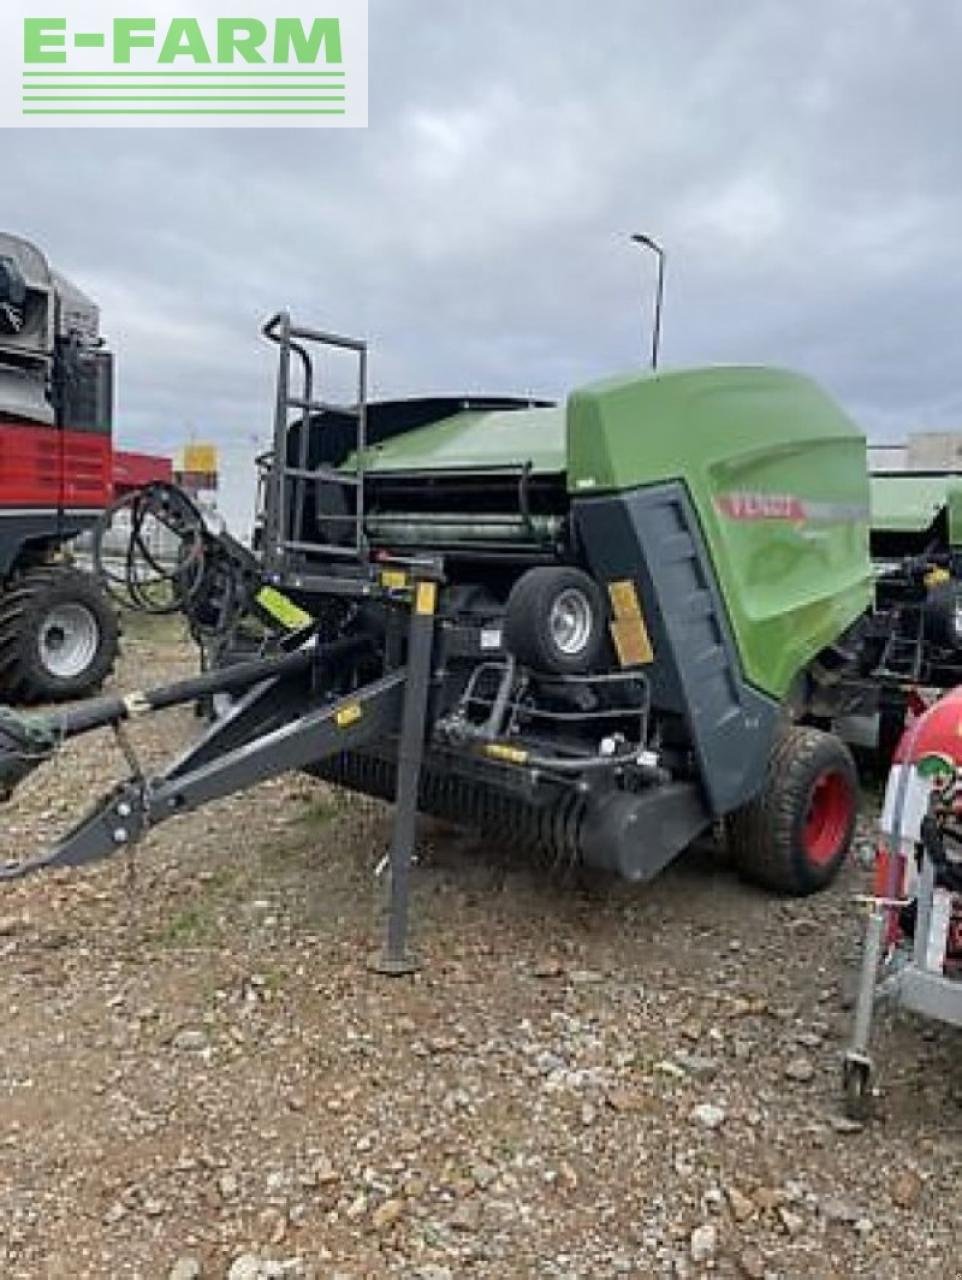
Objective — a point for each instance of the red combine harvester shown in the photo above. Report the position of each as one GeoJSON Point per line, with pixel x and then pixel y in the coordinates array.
{"type": "Point", "coordinates": [58, 631]}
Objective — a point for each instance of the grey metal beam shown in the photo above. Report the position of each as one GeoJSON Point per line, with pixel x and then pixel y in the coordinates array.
{"type": "Point", "coordinates": [130, 810]}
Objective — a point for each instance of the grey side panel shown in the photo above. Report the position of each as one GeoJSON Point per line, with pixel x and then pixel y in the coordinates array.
{"type": "Point", "coordinates": [652, 536]}
{"type": "Point", "coordinates": [636, 835]}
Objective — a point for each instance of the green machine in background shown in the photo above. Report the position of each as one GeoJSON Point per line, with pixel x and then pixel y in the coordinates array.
{"type": "Point", "coordinates": [916, 544]}
{"type": "Point", "coordinates": [915, 510]}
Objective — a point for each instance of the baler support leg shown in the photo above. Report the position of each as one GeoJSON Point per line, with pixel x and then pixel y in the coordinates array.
{"type": "Point", "coordinates": [396, 960]}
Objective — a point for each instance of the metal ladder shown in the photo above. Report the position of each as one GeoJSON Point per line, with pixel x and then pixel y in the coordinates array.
{"type": "Point", "coordinates": [288, 485]}
{"type": "Point", "coordinates": [902, 656]}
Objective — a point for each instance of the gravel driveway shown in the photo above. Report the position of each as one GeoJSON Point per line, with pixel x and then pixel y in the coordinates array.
{"type": "Point", "coordinates": [199, 1077]}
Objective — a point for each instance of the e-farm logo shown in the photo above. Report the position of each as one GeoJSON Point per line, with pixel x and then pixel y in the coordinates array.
{"type": "Point", "coordinates": [278, 63]}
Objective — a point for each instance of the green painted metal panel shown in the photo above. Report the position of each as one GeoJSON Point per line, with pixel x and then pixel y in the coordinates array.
{"type": "Point", "coordinates": [478, 441]}
{"type": "Point", "coordinates": [909, 502]}
{"type": "Point", "coordinates": [778, 477]}
{"type": "Point", "coordinates": [954, 497]}
{"type": "Point", "coordinates": [906, 503]}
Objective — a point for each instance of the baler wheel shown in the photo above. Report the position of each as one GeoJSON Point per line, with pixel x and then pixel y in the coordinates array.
{"type": "Point", "coordinates": [58, 636]}
{"type": "Point", "coordinates": [793, 837]}
{"type": "Point", "coordinates": [555, 620]}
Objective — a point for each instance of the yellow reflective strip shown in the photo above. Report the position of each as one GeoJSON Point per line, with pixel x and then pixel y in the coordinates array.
{"type": "Point", "coordinates": [348, 715]}
{"type": "Point", "coordinates": [283, 610]}
{"type": "Point", "coordinates": [427, 597]}
{"type": "Point", "coordinates": [394, 579]}
{"type": "Point", "coordinates": [628, 630]}
{"type": "Point", "coordinates": [624, 599]}
{"type": "Point", "coordinates": [501, 751]}
{"type": "Point", "coordinates": [632, 642]}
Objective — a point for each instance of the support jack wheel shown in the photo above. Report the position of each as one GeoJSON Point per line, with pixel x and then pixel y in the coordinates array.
{"type": "Point", "coordinates": [857, 1086]}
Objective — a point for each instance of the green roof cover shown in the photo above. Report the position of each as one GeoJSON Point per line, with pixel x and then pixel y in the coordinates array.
{"type": "Point", "coordinates": [477, 441]}
{"type": "Point", "coordinates": [908, 502]}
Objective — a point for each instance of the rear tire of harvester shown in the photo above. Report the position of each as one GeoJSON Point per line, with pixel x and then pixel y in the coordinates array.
{"type": "Point", "coordinates": [554, 621]}
{"type": "Point", "coordinates": [58, 636]}
{"type": "Point", "coordinates": [794, 836]}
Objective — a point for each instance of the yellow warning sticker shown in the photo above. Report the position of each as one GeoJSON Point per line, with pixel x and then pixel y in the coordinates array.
{"type": "Point", "coordinates": [348, 715]}
{"type": "Point", "coordinates": [394, 579]}
{"type": "Point", "coordinates": [427, 597]}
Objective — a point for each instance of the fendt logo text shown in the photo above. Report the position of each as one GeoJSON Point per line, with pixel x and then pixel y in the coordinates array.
{"type": "Point", "coordinates": [96, 66]}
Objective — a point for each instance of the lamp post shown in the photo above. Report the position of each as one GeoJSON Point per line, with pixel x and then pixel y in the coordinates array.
{"type": "Point", "coordinates": [648, 242]}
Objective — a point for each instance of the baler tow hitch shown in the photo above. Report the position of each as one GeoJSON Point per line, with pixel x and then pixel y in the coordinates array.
{"type": "Point", "coordinates": [289, 716]}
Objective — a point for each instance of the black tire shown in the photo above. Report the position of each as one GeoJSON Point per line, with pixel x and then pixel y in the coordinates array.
{"type": "Point", "coordinates": [943, 615]}
{"type": "Point", "coordinates": [30, 623]}
{"type": "Point", "coordinates": [528, 632]}
{"type": "Point", "coordinates": [780, 839]}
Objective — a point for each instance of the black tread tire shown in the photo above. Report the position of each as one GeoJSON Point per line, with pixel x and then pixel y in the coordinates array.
{"type": "Point", "coordinates": [23, 606]}
{"type": "Point", "coordinates": [765, 835]}
{"type": "Point", "coordinates": [526, 631]}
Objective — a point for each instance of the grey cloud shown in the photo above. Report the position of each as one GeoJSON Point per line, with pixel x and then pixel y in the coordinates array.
{"type": "Point", "coordinates": [799, 162]}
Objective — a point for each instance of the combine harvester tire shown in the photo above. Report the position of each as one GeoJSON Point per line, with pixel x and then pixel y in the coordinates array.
{"type": "Point", "coordinates": [58, 636]}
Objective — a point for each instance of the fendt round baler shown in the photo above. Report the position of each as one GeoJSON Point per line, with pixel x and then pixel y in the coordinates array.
{"type": "Point", "coordinates": [593, 630]}
{"type": "Point", "coordinates": [719, 518]}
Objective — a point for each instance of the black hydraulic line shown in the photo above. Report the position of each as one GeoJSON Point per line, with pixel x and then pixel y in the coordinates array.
{"type": "Point", "coordinates": [581, 764]}
{"type": "Point", "coordinates": [111, 710]}
{"type": "Point", "coordinates": [26, 741]}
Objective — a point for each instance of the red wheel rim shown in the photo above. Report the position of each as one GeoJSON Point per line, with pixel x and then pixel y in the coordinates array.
{"type": "Point", "coordinates": [828, 818]}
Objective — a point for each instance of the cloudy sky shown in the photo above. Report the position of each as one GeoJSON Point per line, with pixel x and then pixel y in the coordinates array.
{"type": "Point", "coordinates": [801, 163]}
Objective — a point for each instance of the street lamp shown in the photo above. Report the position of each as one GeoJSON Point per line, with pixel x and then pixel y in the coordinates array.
{"type": "Point", "coordinates": [648, 242]}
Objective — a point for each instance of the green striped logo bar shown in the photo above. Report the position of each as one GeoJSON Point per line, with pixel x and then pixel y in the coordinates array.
{"type": "Point", "coordinates": [97, 65]}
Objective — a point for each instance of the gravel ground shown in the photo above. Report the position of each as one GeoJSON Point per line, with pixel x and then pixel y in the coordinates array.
{"type": "Point", "coordinates": [199, 1076]}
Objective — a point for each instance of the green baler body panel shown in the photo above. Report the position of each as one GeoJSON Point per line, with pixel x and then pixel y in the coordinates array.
{"type": "Point", "coordinates": [777, 474]}
{"type": "Point", "coordinates": [477, 441]}
{"type": "Point", "coordinates": [908, 502]}
{"type": "Point", "coordinates": [778, 477]}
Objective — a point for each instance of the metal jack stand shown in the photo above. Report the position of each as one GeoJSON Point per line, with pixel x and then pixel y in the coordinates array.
{"type": "Point", "coordinates": [857, 1066]}
{"type": "Point", "coordinates": [396, 960]}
